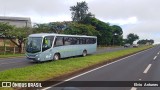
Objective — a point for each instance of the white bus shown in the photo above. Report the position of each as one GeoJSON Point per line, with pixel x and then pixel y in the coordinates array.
{"type": "Point", "coordinates": [45, 46]}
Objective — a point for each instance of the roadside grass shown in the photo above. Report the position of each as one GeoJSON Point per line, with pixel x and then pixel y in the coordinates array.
{"type": "Point", "coordinates": [8, 55]}
{"type": "Point", "coordinates": [6, 88]}
{"type": "Point", "coordinates": [48, 70]}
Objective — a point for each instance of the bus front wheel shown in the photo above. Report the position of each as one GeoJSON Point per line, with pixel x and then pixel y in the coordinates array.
{"type": "Point", "coordinates": [84, 53]}
{"type": "Point", "coordinates": [56, 56]}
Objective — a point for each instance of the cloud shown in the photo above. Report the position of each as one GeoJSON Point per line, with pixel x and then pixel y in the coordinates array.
{"type": "Point", "coordinates": [42, 7]}
{"type": "Point", "coordinates": [131, 20]}
{"type": "Point", "coordinates": [134, 16]}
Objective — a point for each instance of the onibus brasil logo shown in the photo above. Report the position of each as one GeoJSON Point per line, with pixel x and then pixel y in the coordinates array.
{"type": "Point", "coordinates": [21, 84]}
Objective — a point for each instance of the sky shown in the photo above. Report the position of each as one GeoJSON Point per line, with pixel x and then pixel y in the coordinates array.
{"type": "Point", "coordinates": [141, 17]}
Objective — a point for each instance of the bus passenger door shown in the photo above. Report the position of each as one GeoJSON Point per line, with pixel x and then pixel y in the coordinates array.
{"type": "Point", "coordinates": [47, 48]}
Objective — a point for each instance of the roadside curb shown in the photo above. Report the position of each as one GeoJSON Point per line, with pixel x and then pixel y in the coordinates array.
{"type": "Point", "coordinates": [12, 57]}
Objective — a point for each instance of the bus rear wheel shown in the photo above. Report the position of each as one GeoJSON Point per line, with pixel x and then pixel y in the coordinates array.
{"type": "Point", "coordinates": [56, 56]}
{"type": "Point", "coordinates": [84, 53]}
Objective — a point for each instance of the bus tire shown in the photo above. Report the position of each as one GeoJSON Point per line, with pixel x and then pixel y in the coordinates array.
{"type": "Point", "coordinates": [84, 53]}
{"type": "Point", "coordinates": [56, 56]}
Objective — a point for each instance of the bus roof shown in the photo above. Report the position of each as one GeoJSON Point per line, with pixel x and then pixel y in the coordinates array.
{"type": "Point", "coordinates": [54, 34]}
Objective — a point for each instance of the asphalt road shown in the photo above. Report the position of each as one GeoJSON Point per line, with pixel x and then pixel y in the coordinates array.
{"type": "Point", "coordinates": [143, 66]}
{"type": "Point", "coordinates": [11, 63]}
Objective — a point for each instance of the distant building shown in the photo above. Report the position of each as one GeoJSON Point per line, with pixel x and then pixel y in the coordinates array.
{"type": "Point", "coordinates": [17, 21]}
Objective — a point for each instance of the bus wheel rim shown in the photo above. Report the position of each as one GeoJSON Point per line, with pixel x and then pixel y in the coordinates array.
{"type": "Point", "coordinates": [84, 53]}
{"type": "Point", "coordinates": [56, 57]}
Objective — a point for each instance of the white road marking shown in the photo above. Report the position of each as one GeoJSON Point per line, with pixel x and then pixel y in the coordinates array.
{"type": "Point", "coordinates": [158, 53]}
{"type": "Point", "coordinates": [140, 79]}
{"type": "Point", "coordinates": [148, 67]}
{"type": "Point", "coordinates": [154, 57]}
{"type": "Point", "coordinates": [133, 88]}
{"type": "Point", "coordinates": [94, 70]}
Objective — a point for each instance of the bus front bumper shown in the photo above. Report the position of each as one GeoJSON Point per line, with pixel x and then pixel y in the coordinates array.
{"type": "Point", "coordinates": [33, 57]}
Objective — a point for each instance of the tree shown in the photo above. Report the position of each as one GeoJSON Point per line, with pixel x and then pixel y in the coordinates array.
{"type": "Point", "coordinates": [11, 32]}
{"type": "Point", "coordinates": [52, 27]}
{"type": "Point", "coordinates": [4, 28]}
{"type": "Point", "coordinates": [80, 29]}
{"type": "Point", "coordinates": [80, 11]}
{"type": "Point", "coordinates": [131, 38]}
{"type": "Point", "coordinates": [146, 41]}
{"type": "Point", "coordinates": [105, 36]}
{"type": "Point", "coordinates": [117, 30]}
{"type": "Point", "coordinates": [117, 38]}
{"type": "Point", "coordinates": [20, 34]}
{"type": "Point", "coordinates": [151, 41]}
{"type": "Point", "coordinates": [105, 31]}
{"type": "Point", "coordinates": [41, 28]}
{"type": "Point", "coordinates": [57, 27]}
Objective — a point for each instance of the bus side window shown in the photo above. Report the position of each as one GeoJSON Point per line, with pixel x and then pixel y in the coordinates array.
{"type": "Point", "coordinates": [67, 40]}
{"type": "Point", "coordinates": [74, 41]}
{"type": "Point", "coordinates": [94, 41]}
{"type": "Point", "coordinates": [83, 40]}
{"type": "Point", "coordinates": [58, 41]}
{"type": "Point", "coordinates": [87, 40]}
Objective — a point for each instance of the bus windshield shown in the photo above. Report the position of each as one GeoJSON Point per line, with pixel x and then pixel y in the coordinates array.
{"type": "Point", "coordinates": [34, 44]}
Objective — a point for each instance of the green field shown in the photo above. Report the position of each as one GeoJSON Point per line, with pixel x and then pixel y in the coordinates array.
{"type": "Point", "coordinates": [48, 70]}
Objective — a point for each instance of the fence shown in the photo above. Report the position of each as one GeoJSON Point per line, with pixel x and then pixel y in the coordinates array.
{"type": "Point", "coordinates": [7, 47]}
{"type": "Point", "coordinates": [9, 50]}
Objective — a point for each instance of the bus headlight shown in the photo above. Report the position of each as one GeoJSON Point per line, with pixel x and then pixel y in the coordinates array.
{"type": "Point", "coordinates": [37, 57]}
